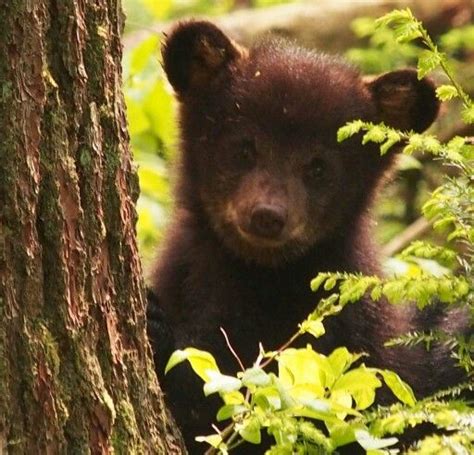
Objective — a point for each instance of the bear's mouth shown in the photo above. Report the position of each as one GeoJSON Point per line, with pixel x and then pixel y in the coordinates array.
{"type": "Point", "coordinates": [261, 242]}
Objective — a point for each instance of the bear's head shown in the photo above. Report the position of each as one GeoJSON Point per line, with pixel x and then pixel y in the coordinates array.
{"type": "Point", "coordinates": [260, 157]}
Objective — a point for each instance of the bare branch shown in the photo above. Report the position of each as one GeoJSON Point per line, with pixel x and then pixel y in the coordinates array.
{"type": "Point", "coordinates": [412, 232]}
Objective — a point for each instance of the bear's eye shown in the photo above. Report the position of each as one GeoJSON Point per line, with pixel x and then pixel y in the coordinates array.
{"type": "Point", "coordinates": [315, 169]}
{"type": "Point", "coordinates": [244, 155]}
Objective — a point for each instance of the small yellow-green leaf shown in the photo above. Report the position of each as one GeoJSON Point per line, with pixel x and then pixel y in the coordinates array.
{"type": "Point", "coordinates": [201, 362]}
{"type": "Point", "coordinates": [375, 134]}
{"type": "Point", "coordinates": [341, 432]}
{"type": "Point", "coordinates": [221, 383]}
{"type": "Point", "coordinates": [361, 384]}
{"type": "Point", "coordinates": [304, 366]}
{"type": "Point", "coordinates": [214, 440]}
{"type": "Point", "coordinates": [330, 283]}
{"type": "Point", "coordinates": [340, 359]}
{"type": "Point", "coordinates": [427, 62]}
{"type": "Point", "coordinates": [446, 92]}
{"type": "Point", "coordinates": [306, 393]}
{"type": "Point", "coordinates": [255, 376]}
{"type": "Point", "coordinates": [392, 139]}
{"type": "Point", "coordinates": [342, 398]}
{"type": "Point", "coordinates": [250, 430]}
{"type": "Point", "coordinates": [399, 388]}
{"type": "Point", "coordinates": [315, 328]}
{"type": "Point", "coordinates": [349, 129]}
{"type": "Point", "coordinates": [229, 410]}
{"type": "Point", "coordinates": [369, 442]}
{"type": "Point", "coordinates": [468, 114]}
{"type": "Point", "coordinates": [268, 398]}
{"type": "Point", "coordinates": [233, 397]}
{"type": "Point", "coordinates": [316, 282]}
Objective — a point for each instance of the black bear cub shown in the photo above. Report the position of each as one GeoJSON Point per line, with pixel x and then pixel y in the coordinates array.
{"type": "Point", "coordinates": [265, 199]}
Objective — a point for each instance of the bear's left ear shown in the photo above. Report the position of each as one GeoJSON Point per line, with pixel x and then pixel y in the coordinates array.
{"type": "Point", "coordinates": [403, 101]}
{"type": "Point", "coordinates": [195, 53]}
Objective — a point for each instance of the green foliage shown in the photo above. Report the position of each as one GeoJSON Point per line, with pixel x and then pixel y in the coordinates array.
{"type": "Point", "coordinates": [394, 42]}
{"type": "Point", "coordinates": [152, 126]}
{"type": "Point", "coordinates": [142, 13]}
{"type": "Point", "coordinates": [450, 206]}
{"type": "Point", "coordinates": [315, 403]}
{"type": "Point", "coordinates": [308, 388]}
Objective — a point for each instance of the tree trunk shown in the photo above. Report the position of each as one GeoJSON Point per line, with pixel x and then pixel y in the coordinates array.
{"type": "Point", "coordinates": [76, 374]}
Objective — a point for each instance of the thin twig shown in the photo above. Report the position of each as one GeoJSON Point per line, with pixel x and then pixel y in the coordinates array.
{"type": "Point", "coordinates": [223, 434]}
{"type": "Point", "coordinates": [231, 349]}
{"type": "Point", "coordinates": [281, 349]}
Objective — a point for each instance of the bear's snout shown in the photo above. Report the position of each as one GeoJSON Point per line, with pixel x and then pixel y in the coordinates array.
{"type": "Point", "coordinates": [267, 221]}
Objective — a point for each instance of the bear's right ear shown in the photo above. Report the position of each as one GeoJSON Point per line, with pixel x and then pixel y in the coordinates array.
{"type": "Point", "coordinates": [403, 101]}
{"type": "Point", "coordinates": [195, 53]}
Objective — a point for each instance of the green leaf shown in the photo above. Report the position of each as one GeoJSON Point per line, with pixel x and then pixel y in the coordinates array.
{"type": "Point", "coordinates": [427, 62]}
{"type": "Point", "coordinates": [316, 282]}
{"type": "Point", "coordinates": [394, 291]}
{"type": "Point", "coordinates": [233, 397]}
{"type": "Point", "coordinates": [349, 129]}
{"type": "Point", "coordinates": [392, 139]}
{"type": "Point", "coordinates": [268, 398]}
{"type": "Point", "coordinates": [392, 424]}
{"type": "Point", "coordinates": [330, 283]}
{"type": "Point", "coordinates": [201, 362]}
{"type": "Point", "coordinates": [399, 388]}
{"type": "Point", "coordinates": [369, 442]}
{"type": "Point", "coordinates": [250, 430]}
{"type": "Point", "coordinates": [228, 411]}
{"type": "Point", "coordinates": [214, 440]}
{"type": "Point", "coordinates": [341, 433]}
{"type": "Point", "coordinates": [355, 287]}
{"type": "Point", "coordinates": [376, 292]}
{"type": "Point", "coordinates": [341, 359]}
{"type": "Point", "coordinates": [468, 114]}
{"type": "Point", "coordinates": [315, 328]}
{"type": "Point", "coordinates": [446, 92]}
{"type": "Point", "coordinates": [375, 134]}
{"type": "Point", "coordinates": [308, 398]}
{"type": "Point", "coordinates": [255, 376]}
{"type": "Point", "coordinates": [304, 366]}
{"type": "Point", "coordinates": [341, 398]}
{"type": "Point", "coordinates": [405, 27]}
{"type": "Point", "coordinates": [361, 384]}
{"type": "Point", "coordinates": [221, 383]}
{"type": "Point", "coordinates": [399, 16]}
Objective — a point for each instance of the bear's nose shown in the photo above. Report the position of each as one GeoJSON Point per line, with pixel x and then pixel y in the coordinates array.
{"type": "Point", "coordinates": [267, 220]}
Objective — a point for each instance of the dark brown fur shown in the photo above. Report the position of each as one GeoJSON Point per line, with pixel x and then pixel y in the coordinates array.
{"type": "Point", "coordinates": [266, 199]}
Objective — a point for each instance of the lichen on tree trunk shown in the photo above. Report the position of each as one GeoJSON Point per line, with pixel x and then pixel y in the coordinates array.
{"type": "Point", "coordinates": [76, 374]}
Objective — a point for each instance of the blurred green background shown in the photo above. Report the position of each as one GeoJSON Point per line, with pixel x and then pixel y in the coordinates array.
{"type": "Point", "coordinates": [152, 109]}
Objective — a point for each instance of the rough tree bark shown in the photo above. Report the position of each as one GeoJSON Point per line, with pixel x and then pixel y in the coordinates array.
{"type": "Point", "coordinates": [76, 374]}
